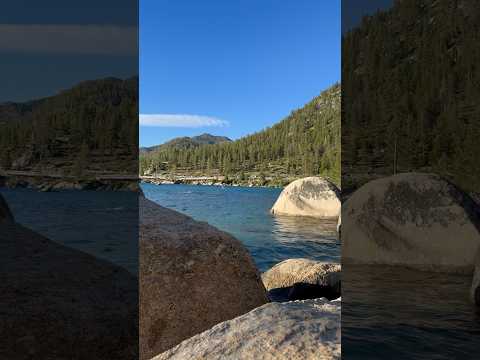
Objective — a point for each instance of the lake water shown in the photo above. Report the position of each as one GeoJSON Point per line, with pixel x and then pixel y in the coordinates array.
{"type": "Point", "coordinates": [245, 213]}
{"type": "Point", "coordinates": [398, 313]}
{"type": "Point", "coordinates": [101, 223]}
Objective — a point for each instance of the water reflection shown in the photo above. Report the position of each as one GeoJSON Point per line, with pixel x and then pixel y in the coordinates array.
{"type": "Point", "coordinates": [289, 228]}
{"type": "Point", "coordinates": [412, 314]}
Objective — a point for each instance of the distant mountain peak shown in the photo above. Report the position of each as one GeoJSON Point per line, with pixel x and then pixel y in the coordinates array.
{"type": "Point", "coordinates": [186, 142]}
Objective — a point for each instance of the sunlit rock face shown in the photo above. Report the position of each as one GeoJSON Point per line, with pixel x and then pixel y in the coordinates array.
{"type": "Point", "coordinates": [311, 196]}
{"type": "Point", "coordinates": [298, 279]}
{"type": "Point", "coordinates": [192, 276]}
{"type": "Point", "coordinates": [296, 330]}
{"type": "Point", "coordinates": [413, 219]}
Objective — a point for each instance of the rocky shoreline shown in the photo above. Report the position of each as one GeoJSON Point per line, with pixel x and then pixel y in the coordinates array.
{"type": "Point", "coordinates": [214, 181]}
{"type": "Point", "coordinates": [242, 313]}
{"type": "Point", "coordinates": [48, 184]}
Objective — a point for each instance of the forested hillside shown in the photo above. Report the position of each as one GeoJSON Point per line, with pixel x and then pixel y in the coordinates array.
{"type": "Point", "coordinates": [411, 90]}
{"type": "Point", "coordinates": [89, 129]}
{"type": "Point", "coordinates": [305, 143]}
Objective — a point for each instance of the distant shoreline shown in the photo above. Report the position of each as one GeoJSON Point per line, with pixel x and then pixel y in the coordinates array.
{"type": "Point", "coordinates": [208, 181]}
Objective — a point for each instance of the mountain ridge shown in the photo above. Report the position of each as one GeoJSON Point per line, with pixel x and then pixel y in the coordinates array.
{"type": "Point", "coordinates": [185, 142]}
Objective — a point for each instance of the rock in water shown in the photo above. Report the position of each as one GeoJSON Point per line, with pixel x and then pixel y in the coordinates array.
{"type": "Point", "coordinates": [192, 276]}
{"type": "Point", "coordinates": [475, 289]}
{"type": "Point", "coordinates": [303, 276]}
{"type": "Point", "coordinates": [60, 303]}
{"type": "Point", "coordinates": [5, 213]}
{"type": "Point", "coordinates": [300, 330]}
{"type": "Point", "coordinates": [411, 219]}
{"type": "Point", "coordinates": [311, 196]}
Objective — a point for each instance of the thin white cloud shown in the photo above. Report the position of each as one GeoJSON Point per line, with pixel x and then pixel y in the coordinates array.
{"type": "Point", "coordinates": [69, 39]}
{"type": "Point", "coordinates": [180, 120]}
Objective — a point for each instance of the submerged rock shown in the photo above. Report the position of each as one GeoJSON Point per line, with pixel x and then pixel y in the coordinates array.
{"type": "Point", "coordinates": [411, 219]}
{"type": "Point", "coordinates": [60, 303]}
{"type": "Point", "coordinates": [192, 276]}
{"type": "Point", "coordinates": [297, 279]}
{"type": "Point", "coordinates": [300, 330]}
{"type": "Point", "coordinates": [5, 213]}
{"type": "Point", "coordinates": [311, 196]}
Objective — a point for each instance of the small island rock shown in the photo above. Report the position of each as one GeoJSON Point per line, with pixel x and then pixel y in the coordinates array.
{"type": "Point", "coordinates": [412, 219]}
{"type": "Point", "coordinates": [311, 196]}
{"type": "Point", "coordinates": [312, 279]}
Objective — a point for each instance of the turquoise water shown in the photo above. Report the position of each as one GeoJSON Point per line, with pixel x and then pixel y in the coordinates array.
{"type": "Point", "coordinates": [245, 213]}
{"type": "Point", "coordinates": [105, 223]}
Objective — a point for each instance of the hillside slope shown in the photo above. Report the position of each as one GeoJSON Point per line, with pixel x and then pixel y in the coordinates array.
{"type": "Point", "coordinates": [307, 142]}
{"type": "Point", "coordinates": [89, 129]}
{"type": "Point", "coordinates": [411, 85]}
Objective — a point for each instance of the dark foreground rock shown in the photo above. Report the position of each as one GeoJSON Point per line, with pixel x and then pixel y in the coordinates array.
{"type": "Point", "coordinates": [5, 213]}
{"type": "Point", "coordinates": [298, 279]}
{"type": "Point", "coordinates": [192, 276]}
{"type": "Point", "coordinates": [475, 289]}
{"type": "Point", "coordinates": [300, 330]}
{"type": "Point", "coordinates": [59, 303]}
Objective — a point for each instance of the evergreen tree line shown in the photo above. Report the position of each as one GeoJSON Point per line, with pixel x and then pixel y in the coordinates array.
{"type": "Point", "coordinates": [305, 143]}
{"type": "Point", "coordinates": [411, 90]}
{"type": "Point", "coordinates": [91, 127]}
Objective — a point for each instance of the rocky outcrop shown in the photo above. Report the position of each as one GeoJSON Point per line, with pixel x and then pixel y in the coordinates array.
{"type": "Point", "coordinates": [60, 303]}
{"type": "Point", "coordinates": [300, 330]}
{"type": "Point", "coordinates": [411, 219]}
{"type": "Point", "coordinates": [5, 213]}
{"type": "Point", "coordinates": [192, 276]}
{"type": "Point", "coordinates": [296, 279]}
{"type": "Point", "coordinates": [311, 196]}
{"type": "Point", "coordinates": [475, 289]}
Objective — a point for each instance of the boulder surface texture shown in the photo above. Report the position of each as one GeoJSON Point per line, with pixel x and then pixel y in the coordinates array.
{"type": "Point", "coordinates": [192, 276]}
{"type": "Point", "coordinates": [297, 330]}
{"type": "Point", "coordinates": [311, 196]}
{"type": "Point", "coordinates": [303, 276]}
{"type": "Point", "coordinates": [411, 219]}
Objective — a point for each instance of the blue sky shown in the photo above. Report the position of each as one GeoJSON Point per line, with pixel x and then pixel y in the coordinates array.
{"type": "Point", "coordinates": [236, 66]}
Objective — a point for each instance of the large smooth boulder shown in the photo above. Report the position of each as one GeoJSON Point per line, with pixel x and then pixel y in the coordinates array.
{"type": "Point", "coordinates": [60, 303]}
{"type": "Point", "coordinates": [5, 213]}
{"type": "Point", "coordinates": [294, 279]}
{"type": "Point", "coordinates": [300, 330]}
{"type": "Point", "coordinates": [192, 276]}
{"type": "Point", "coordinates": [412, 219]}
{"type": "Point", "coordinates": [311, 196]}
